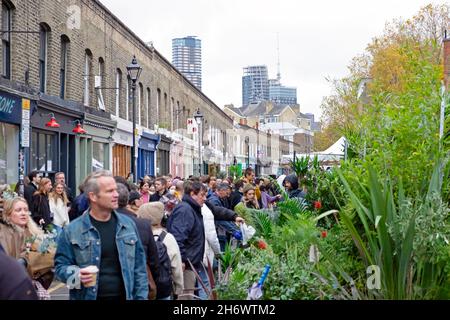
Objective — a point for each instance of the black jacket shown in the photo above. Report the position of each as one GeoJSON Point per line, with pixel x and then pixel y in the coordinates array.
{"type": "Point", "coordinates": [221, 213]}
{"type": "Point", "coordinates": [186, 225]}
{"type": "Point", "coordinates": [40, 209]}
{"type": "Point", "coordinates": [235, 198]}
{"type": "Point", "coordinates": [28, 192]}
{"type": "Point", "coordinates": [148, 242]}
{"type": "Point", "coordinates": [156, 196]}
{"type": "Point", "coordinates": [14, 281]}
{"type": "Point", "coordinates": [69, 195]}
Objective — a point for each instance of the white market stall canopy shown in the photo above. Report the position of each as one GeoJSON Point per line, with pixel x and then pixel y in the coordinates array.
{"type": "Point", "coordinates": [334, 153]}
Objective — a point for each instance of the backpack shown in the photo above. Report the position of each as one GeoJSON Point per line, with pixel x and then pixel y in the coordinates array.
{"type": "Point", "coordinates": [164, 281]}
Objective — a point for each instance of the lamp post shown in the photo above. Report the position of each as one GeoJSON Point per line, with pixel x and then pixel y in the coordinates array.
{"type": "Point", "coordinates": [247, 141]}
{"type": "Point", "coordinates": [198, 116]}
{"type": "Point", "coordinates": [134, 71]}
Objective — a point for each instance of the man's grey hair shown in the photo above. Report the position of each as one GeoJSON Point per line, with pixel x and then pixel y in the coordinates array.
{"type": "Point", "coordinates": [124, 194]}
{"type": "Point", "coordinates": [59, 173]}
{"type": "Point", "coordinates": [91, 183]}
{"type": "Point", "coordinates": [222, 186]}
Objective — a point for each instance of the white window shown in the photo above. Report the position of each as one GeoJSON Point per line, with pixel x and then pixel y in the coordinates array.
{"type": "Point", "coordinates": [118, 90]}
{"type": "Point", "coordinates": [87, 76]}
{"type": "Point", "coordinates": [6, 40]}
{"type": "Point", "coordinates": [43, 40]}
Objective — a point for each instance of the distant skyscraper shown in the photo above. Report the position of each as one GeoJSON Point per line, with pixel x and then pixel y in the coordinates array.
{"type": "Point", "coordinates": [255, 84]}
{"type": "Point", "coordinates": [187, 58]}
{"type": "Point", "coordinates": [282, 94]}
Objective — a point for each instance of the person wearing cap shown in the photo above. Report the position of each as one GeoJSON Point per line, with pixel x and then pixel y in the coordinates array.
{"type": "Point", "coordinates": [134, 201]}
{"type": "Point", "coordinates": [224, 228]}
{"type": "Point", "coordinates": [154, 213]}
{"type": "Point", "coordinates": [219, 197]}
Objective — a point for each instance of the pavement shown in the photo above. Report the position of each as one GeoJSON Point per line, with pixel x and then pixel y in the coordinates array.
{"type": "Point", "coordinates": [58, 291]}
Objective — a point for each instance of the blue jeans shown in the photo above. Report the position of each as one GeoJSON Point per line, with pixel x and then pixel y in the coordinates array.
{"type": "Point", "coordinates": [204, 276]}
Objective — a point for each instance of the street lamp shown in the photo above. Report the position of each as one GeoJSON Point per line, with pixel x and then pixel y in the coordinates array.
{"type": "Point", "coordinates": [198, 116]}
{"type": "Point", "coordinates": [247, 141]}
{"type": "Point", "coordinates": [134, 71]}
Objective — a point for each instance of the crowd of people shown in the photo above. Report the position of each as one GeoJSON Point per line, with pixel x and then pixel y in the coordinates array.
{"type": "Point", "coordinates": [117, 240]}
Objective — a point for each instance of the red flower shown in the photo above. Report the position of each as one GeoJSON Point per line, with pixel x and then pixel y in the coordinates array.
{"type": "Point", "coordinates": [261, 244]}
{"type": "Point", "coordinates": [324, 234]}
{"type": "Point", "coordinates": [317, 205]}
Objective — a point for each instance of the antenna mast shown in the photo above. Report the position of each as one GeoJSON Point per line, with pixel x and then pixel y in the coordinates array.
{"type": "Point", "coordinates": [278, 51]}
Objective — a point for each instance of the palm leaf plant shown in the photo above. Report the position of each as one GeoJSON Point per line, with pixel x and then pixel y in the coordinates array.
{"type": "Point", "coordinates": [300, 166]}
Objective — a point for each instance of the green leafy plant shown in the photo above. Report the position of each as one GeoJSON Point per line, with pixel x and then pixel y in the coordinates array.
{"type": "Point", "coordinates": [230, 257]}
{"type": "Point", "coordinates": [300, 166]}
{"type": "Point", "coordinates": [235, 171]}
{"type": "Point", "coordinates": [390, 237]}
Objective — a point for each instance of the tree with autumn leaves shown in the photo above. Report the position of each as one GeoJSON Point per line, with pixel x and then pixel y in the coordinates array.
{"type": "Point", "coordinates": [393, 62]}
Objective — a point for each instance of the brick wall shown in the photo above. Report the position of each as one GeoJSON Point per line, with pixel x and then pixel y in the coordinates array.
{"type": "Point", "coordinates": [96, 29]}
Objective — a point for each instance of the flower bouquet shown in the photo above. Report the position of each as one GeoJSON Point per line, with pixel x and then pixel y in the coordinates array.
{"type": "Point", "coordinates": [40, 253]}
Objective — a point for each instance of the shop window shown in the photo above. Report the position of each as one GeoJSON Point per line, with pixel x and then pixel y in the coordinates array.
{"type": "Point", "coordinates": [87, 77]}
{"type": "Point", "coordinates": [9, 153]}
{"type": "Point", "coordinates": [98, 156]}
{"type": "Point", "coordinates": [118, 90]}
{"type": "Point", "coordinates": [121, 160]}
{"type": "Point", "coordinates": [43, 48]}
{"type": "Point", "coordinates": [43, 152]}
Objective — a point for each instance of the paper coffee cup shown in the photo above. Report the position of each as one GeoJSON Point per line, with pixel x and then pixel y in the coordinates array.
{"type": "Point", "coordinates": [94, 271]}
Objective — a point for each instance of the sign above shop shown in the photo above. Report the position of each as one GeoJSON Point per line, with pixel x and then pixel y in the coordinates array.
{"type": "Point", "coordinates": [10, 108]}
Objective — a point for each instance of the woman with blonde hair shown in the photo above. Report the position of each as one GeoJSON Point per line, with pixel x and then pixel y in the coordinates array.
{"type": "Point", "coordinates": [15, 226]}
{"type": "Point", "coordinates": [41, 207]}
{"type": "Point", "coordinates": [58, 205]}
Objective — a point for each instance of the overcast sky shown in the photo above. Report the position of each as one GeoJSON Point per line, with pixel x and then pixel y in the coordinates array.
{"type": "Point", "coordinates": [317, 38]}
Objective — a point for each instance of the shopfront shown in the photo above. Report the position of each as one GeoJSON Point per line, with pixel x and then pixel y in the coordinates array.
{"type": "Point", "coordinates": [54, 146]}
{"type": "Point", "coordinates": [121, 151]}
{"type": "Point", "coordinates": [10, 133]}
{"type": "Point", "coordinates": [99, 131]}
{"type": "Point", "coordinates": [146, 158]}
{"type": "Point", "coordinates": [163, 161]}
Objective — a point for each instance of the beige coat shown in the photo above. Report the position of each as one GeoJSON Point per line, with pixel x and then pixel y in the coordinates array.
{"type": "Point", "coordinates": [174, 254]}
{"type": "Point", "coordinates": [12, 239]}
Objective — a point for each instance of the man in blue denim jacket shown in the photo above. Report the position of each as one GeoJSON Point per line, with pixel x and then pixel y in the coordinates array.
{"type": "Point", "coordinates": [103, 238]}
